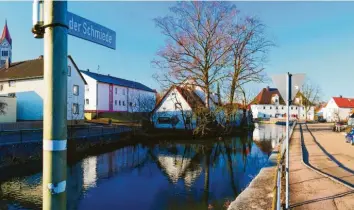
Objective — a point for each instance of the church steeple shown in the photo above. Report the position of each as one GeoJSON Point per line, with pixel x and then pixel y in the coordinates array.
{"type": "Point", "coordinates": [6, 34]}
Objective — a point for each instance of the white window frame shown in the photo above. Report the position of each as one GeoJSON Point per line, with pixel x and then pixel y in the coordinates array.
{"type": "Point", "coordinates": [75, 108]}
{"type": "Point", "coordinates": [87, 101]}
{"type": "Point", "coordinates": [76, 93]}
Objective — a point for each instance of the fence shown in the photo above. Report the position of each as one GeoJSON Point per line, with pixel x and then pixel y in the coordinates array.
{"type": "Point", "coordinates": [36, 135]}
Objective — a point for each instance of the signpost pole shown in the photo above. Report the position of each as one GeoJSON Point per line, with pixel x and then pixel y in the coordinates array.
{"type": "Point", "coordinates": [288, 103]}
{"type": "Point", "coordinates": [55, 105]}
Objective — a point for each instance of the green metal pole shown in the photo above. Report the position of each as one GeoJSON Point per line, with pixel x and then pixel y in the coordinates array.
{"type": "Point", "coordinates": [55, 105]}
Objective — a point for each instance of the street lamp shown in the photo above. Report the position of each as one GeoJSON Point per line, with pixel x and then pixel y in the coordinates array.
{"type": "Point", "coordinates": [37, 19]}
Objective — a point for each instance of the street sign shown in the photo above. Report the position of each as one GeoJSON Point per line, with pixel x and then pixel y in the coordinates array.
{"type": "Point", "coordinates": [90, 31]}
{"type": "Point", "coordinates": [280, 81]}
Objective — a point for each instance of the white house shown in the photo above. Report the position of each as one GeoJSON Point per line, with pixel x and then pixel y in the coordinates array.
{"type": "Point", "coordinates": [176, 108]}
{"type": "Point", "coordinates": [338, 109]}
{"type": "Point", "coordinates": [269, 104]}
{"type": "Point", "coordinates": [25, 80]}
{"type": "Point", "coordinates": [105, 93]}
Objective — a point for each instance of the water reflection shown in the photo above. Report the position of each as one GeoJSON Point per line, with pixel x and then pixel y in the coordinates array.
{"type": "Point", "coordinates": [164, 175]}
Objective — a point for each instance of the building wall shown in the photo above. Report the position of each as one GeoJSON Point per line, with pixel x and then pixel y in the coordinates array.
{"type": "Point", "coordinates": [75, 79]}
{"type": "Point", "coordinates": [90, 93]}
{"type": "Point", "coordinates": [103, 96]}
{"type": "Point", "coordinates": [30, 94]}
{"type": "Point", "coordinates": [5, 46]}
{"type": "Point", "coordinates": [140, 100]}
{"type": "Point", "coordinates": [167, 109]}
{"type": "Point", "coordinates": [265, 111]}
{"type": "Point", "coordinates": [120, 98]}
{"type": "Point", "coordinates": [333, 112]}
{"type": "Point", "coordinates": [10, 110]}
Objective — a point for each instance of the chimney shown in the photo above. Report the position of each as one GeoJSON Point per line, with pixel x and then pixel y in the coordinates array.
{"type": "Point", "coordinates": [7, 63]}
{"type": "Point", "coordinates": [109, 75]}
{"type": "Point", "coordinates": [88, 70]}
{"type": "Point", "coordinates": [340, 96]}
{"type": "Point", "coordinates": [40, 57]}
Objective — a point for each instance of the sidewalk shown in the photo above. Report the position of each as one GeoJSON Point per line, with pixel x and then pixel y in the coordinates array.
{"type": "Point", "coordinates": [323, 152]}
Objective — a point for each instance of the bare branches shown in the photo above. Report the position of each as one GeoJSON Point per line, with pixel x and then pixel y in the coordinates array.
{"type": "Point", "coordinates": [311, 95]}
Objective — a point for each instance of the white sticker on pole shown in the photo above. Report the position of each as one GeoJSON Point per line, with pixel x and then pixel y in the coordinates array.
{"type": "Point", "coordinates": [54, 145]}
{"type": "Point", "coordinates": [57, 188]}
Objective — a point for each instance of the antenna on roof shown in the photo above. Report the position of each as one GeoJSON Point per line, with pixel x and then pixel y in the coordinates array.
{"type": "Point", "coordinates": [98, 69]}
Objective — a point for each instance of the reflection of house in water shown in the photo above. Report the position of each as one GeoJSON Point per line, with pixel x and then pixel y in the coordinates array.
{"type": "Point", "coordinates": [89, 169]}
{"type": "Point", "coordinates": [179, 168]}
{"type": "Point", "coordinates": [269, 132]}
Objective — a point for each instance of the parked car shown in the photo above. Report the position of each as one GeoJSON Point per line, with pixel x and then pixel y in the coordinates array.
{"type": "Point", "coordinates": [349, 137]}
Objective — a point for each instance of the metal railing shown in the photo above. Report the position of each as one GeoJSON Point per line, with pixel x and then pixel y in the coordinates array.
{"type": "Point", "coordinates": [280, 168]}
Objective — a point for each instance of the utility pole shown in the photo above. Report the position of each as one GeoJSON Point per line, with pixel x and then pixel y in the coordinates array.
{"type": "Point", "coordinates": [288, 103]}
{"type": "Point", "coordinates": [55, 104]}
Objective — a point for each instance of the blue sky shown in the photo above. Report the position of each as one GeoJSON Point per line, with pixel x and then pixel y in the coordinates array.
{"type": "Point", "coordinates": [316, 38]}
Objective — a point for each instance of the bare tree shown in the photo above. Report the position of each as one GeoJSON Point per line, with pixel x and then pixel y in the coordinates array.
{"type": "Point", "coordinates": [246, 98]}
{"type": "Point", "coordinates": [197, 47]}
{"type": "Point", "coordinates": [310, 96]}
{"type": "Point", "coordinates": [248, 54]}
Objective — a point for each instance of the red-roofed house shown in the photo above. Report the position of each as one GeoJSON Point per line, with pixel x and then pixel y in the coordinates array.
{"type": "Point", "coordinates": [269, 104]}
{"type": "Point", "coordinates": [338, 109]}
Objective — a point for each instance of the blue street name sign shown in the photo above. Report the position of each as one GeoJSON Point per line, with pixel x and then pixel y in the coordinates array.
{"type": "Point", "coordinates": [90, 31]}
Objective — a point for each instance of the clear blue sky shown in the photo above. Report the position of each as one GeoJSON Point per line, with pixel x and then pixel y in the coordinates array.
{"type": "Point", "coordinates": [316, 38]}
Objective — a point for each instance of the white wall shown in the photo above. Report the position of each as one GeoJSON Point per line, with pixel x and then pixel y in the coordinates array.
{"type": "Point", "coordinates": [90, 93]}
{"type": "Point", "coordinates": [333, 111]}
{"type": "Point", "coordinates": [30, 94]}
{"type": "Point", "coordinates": [141, 101]}
{"type": "Point", "coordinates": [10, 110]}
{"type": "Point", "coordinates": [103, 96]}
{"type": "Point", "coordinates": [167, 109]}
{"type": "Point", "coordinates": [120, 94]}
{"type": "Point", "coordinates": [75, 79]}
{"type": "Point", "coordinates": [270, 111]}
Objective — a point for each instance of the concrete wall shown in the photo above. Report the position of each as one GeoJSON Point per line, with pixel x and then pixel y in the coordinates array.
{"type": "Point", "coordinates": [10, 110]}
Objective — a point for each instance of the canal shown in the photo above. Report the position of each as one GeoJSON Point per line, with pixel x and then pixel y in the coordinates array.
{"type": "Point", "coordinates": [203, 174]}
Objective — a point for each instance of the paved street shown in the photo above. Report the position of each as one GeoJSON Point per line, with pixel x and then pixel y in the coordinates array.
{"type": "Point", "coordinates": [323, 152]}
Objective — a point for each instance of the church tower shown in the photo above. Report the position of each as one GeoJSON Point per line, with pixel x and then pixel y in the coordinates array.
{"type": "Point", "coordinates": [5, 46]}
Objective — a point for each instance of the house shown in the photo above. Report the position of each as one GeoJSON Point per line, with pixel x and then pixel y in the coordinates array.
{"type": "Point", "coordinates": [176, 108]}
{"type": "Point", "coordinates": [7, 109]}
{"type": "Point", "coordinates": [338, 109]}
{"type": "Point", "coordinates": [105, 93]}
{"type": "Point", "coordinates": [269, 104]}
{"type": "Point", "coordinates": [24, 79]}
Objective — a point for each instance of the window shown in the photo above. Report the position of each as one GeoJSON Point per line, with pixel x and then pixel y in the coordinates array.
{"type": "Point", "coordinates": [5, 53]}
{"type": "Point", "coordinates": [264, 107]}
{"type": "Point", "coordinates": [282, 107]}
{"type": "Point", "coordinates": [87, 101]}
{"type": "Point", "coordinates": [130, 104]}
{"type": "Point", "coordinates": [1, 87]}
{"type": "Point", "coordinates": [115, 102]}
{"type": "Point", "coordinates": [270, 107]}
{"type": "Point", "coordinates": [116, 91]}
{"type": "Point", "coordinates": [123, 103]}
{"type": "Point", "coordinates": [164, 120]}
{"type": "Point", "coordinates": [264, 115]}
{"type": "Point", "coordinates": [69, 71]}
{"type": "Point", "coordinates": [276, 100]}
{"type": "Point", "coordinates": [12, 83]}
{"type": "Point", "coordinates": [124, 92]}
{"type": "Point", "coordinates": [119, 103]}
{"type": "Point", "coordinates": [296, 108]}
{"type": "Point", "coordinates": [292, 108]}
{"type": "Point", "coordinates": [276, 107]}
{"type": "Point", "coordinates": [76, 90]}
{"type": "Point", "coordinates": [271, 115]}
{"type": "Point", "coordinates": [75, 108]}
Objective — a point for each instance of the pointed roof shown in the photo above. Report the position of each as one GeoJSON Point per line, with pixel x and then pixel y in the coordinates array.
{"type": "Point", "coordinates": [6, 34]}
{"type": "Point", "coordinates": [265, 96]}
{"type": "Point", "coordinates": [344, 102]}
